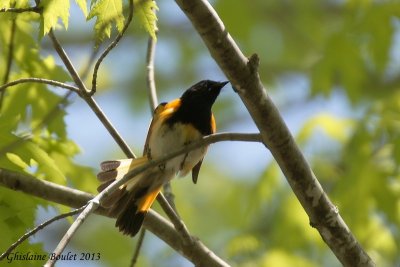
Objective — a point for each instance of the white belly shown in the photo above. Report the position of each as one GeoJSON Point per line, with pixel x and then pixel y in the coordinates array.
{"type": "Point", "coordinates": [168, 140]}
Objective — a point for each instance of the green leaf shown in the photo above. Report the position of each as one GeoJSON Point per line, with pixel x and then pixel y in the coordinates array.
{"type": "Point", "coordinates": [243, 244]}
{"type": "Point", "coordinates": [32, 103]}
{"type": "Point", "coordinates": [342, 64]}
{"type": "Point", "coordinates": [17, 160]}
{"type": "Point", "coordinates": [334, 127]}
{"type": "Point", "coordinates": [82, 6]}
{"type": "Point", "coordinates": [145, 11]}
{"type": "Point", "coordinates": [14, 3]}
{"type": "Point", "coordinates": [106, 12]}
{"type": "Point", "coordinates": [281, 258]}
{"type": "Point", "coordinates": [17, 215]}
{"type": "Point", "coordinates": [52, 11]}
{"type": "Point", "coordinates": [5, 3]}
{"type": "Point", "coordinates": [46, 164]}
{"type": "Point", "coordinates": [21, 153]}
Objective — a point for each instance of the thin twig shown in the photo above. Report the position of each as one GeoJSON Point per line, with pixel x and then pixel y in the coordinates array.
{"type": "Point", "coordinates": [35, 9]}
{"type": "Point", "coordinates": [9, 60]}
{"type": "Point", "coordinates": [91, 206]}
{"type": "Point", "coordinates": [38, 228]}
{"type": "Point", "coordinates": [41, 80]}
{"type": "Point", "coordinates": [86, 70]}
{"type": "Point", "coordinates": [139, 244]}
{"type": "Point", "coordinates": [89, 99]}
{"type": "Point", "coordinates": [175, 219]}
{"type": "Point", "coordinates": [110, 47]}
{"type": "Point", "coordinates": [94, 203]}
{"type": "Point", "coordinates": [151, 84]}
{"type": "Point", "coordinates": [67, 62]}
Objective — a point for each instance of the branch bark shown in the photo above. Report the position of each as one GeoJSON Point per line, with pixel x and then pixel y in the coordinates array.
{"type": "Point", "coordinates": [84, 93]}
{"type": "Point", "coordinates": [197, 253]}
{"type": "Point", "coordinates": [151, 83]}
{"type": "Point", "coordinates": [40, 80]}
{"type": "Point", "coordinates": [243, 74]}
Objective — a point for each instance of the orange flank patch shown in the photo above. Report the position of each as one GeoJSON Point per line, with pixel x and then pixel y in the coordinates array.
{"type": "Point", "coordinates": [213, 124]}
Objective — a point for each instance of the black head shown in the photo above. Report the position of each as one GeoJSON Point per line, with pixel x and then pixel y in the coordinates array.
{"type": "Point", "coordinates": [203, 93]}
{"type": "Point", "coordinates": [195, 106]}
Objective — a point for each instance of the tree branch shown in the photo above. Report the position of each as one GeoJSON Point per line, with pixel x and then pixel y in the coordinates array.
{"type": "Point", "coordinates": [35, 9]}
{"type": "Point", "coordinates": [243, 74]}
{"type": "Point", "coordinates": [41, 80]}
{"type": "Point", "coordinates": [110, 47]}
{"type": "Point", "coordinates": [151, 84]}
{"type": "Point", "coordinates": [9, 60]}
{"type": "Point", "coordinates": [139, 244]}
{"type": "Point", "coordinates": [198, 253]}
{"type": "Point", "coordinates": [175, 219]}
{"type": "Point", "coordinates": [88, 98]}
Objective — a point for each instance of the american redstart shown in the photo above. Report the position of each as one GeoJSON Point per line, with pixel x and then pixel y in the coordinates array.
{"type": "Point", "coordinates": [174, 125]}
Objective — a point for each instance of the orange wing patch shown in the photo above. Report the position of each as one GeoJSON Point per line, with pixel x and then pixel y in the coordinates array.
{"type": "Point", "coordinates": [170, 108]}
{"type": "Point", "coordinates": [162, 112]}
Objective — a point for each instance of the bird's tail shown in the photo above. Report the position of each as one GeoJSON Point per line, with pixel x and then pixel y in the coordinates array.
{"type": "Point", "coordinates": [131, 201]}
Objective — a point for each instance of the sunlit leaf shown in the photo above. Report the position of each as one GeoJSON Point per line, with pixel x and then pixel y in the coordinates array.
{"type": "Point", "coordinates": [107, 13]}
{"type": "Point", "coordinates": [336, 128]}
{"type": "Point", "coordinates": [52, 11]}
{"type": "Point", "coordinates": [145, 11]}
{"type": "Point", "coordinates": [46, 164]}
{"type": "Point", "coordinates": [280, 258]}
{"type": "Point", "coordinates": [17, 160]}
{"type": "Point", "coordinates": [5, 3]}
{"type": "Point", "coordinates": [83, 6]}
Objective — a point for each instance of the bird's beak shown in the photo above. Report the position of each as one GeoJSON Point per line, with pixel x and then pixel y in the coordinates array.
{"type": "Point", "coordinates": [222, 84]}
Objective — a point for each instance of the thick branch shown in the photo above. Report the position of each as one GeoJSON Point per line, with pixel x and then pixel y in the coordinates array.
{"type": "Point", "coordinates": [243, 74]}
{"type": "Point", "coordinates": [199, 254]}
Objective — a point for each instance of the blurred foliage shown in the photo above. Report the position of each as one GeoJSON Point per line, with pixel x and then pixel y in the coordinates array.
{"type": "Point", "coordinates": [346, 47]}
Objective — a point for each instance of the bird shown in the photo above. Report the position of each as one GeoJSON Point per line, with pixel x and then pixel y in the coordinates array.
{"type": "Point", "coordinates": [175, 124]}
